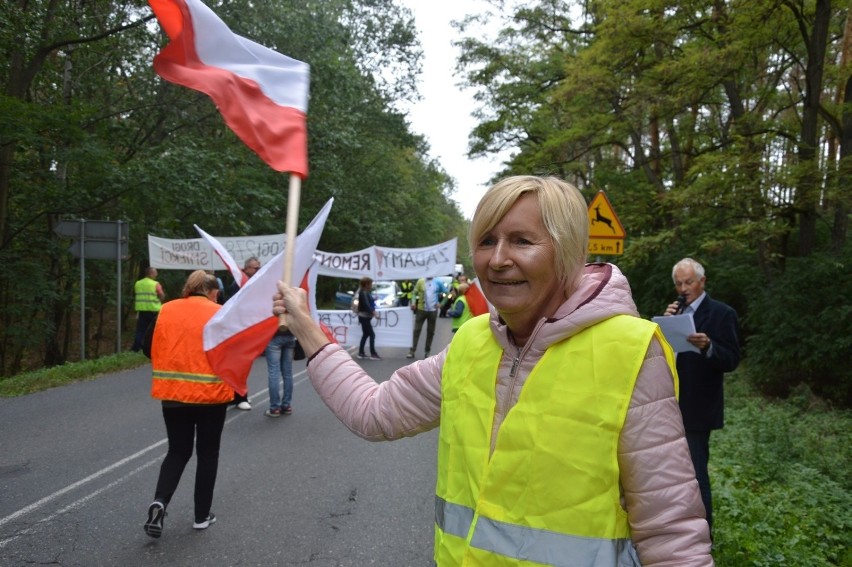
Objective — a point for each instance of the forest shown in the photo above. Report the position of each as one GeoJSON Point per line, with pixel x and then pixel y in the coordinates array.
{"type": "Point", "coordinates": [719, 130]}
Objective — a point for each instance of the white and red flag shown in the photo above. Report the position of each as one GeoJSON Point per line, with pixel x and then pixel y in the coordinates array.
{"type": "Point", "coordinates": [239, 332]}
{"type": "Point", "coordinates": [239, 276]}
{"type": "Point", "coordinates": [476, 299]}
{"type": "Point", "coordinates": [262, 94]}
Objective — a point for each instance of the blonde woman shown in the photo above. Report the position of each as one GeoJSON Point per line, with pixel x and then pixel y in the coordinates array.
{"type": "Point", "coordinates": [560, 438]}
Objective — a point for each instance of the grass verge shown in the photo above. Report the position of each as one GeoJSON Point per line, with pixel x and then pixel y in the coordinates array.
{"type": "Point", "coordinates": [45, 378]}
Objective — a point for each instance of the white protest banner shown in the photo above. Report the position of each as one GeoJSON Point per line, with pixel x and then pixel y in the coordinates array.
{"type": "Point", "coordinates": [197, 254]}
{"type": "Point", "coordinates": [414, 263]}
{"type": "Point", "coordinates": [377, 262]}
{"type": "Point", "coordinates": [393, 328]}
{"type": "Point", "coordinates": [383, 263]}
{"type": "Point", "coordinates": [348, 265]}
{"type": "Point", "coordinates": [182, 254]}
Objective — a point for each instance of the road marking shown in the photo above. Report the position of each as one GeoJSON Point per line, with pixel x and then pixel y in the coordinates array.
{"type": "Point", "coordinates": [50, 498]}
{"type": "Point", "coordinates": [36, 505]}
{"type": "Point", "coordinates": [76, 504]}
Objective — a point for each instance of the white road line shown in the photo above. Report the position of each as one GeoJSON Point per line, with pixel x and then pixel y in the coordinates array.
{"type": "Point", "coordinates": [78, 503]}
{"type": "Point", "coordinates": [36, 505]}
{"type": "Point", "coordinates": [47, 499]}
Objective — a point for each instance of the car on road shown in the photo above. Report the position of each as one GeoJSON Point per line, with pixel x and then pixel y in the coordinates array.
{"type": "Point", "coordinates": [448, 286]}
{"type": "Point", "coordinates": [385, 292]}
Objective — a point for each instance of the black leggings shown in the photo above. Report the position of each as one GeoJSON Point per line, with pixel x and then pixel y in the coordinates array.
{"type": "Point", "coordinates": [188, 425]}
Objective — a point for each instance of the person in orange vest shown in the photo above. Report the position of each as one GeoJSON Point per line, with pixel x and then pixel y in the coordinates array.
{"type": "Point", "coordinates": [194, 399]}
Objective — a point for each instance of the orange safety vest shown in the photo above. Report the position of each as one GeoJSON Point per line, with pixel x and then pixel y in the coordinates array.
{"type": "Point", "coordinates": [181, 372]}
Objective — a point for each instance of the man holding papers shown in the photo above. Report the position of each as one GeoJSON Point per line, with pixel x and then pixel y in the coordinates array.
{"type": "Point", "coordinates": [715, 350]}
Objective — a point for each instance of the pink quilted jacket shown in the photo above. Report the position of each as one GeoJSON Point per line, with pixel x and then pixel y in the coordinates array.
{"type": "Point", "coordinates": [658, 482]}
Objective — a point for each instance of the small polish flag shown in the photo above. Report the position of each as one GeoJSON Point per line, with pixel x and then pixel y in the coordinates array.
{"type": "Point", "coordinates": [241, 329]}
{"type": "Point", "coordinates": [239, 276]}
{"type": "Point", "coordinates": [262, 94]}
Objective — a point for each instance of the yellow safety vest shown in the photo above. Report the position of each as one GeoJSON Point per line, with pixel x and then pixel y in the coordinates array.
{"type": "Point", "coordinates": [181, 372]}
{"type": "Point", "coordinates": [465, 316]}
{"type": "Point", "coordinates": [549, 493]}
{"type": "Point", "coordinates": [146, 299]}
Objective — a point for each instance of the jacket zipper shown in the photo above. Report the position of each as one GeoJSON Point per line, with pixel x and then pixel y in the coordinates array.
{"type": "Point", "coordinates": [515, 363]}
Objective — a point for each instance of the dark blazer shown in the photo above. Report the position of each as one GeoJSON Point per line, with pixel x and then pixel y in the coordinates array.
{"type": "Point", "coordinates": [702, 399]}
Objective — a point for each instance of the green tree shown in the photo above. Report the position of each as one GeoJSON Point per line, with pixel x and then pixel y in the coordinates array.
{"type": "Point", "coordinates": [87, 130]}
{"type": "Point", "coordinates": [717, 130]}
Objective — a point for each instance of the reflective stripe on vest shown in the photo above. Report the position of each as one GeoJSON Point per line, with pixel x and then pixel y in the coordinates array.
{"type": "Point", "coordinates": [540, 546]}
{"type": "Point", "coordinates": [186, 376]}
{"type": "Point", "coordinates": [506, 508]}
{"type": "Point", "coordinates": [146, 298]}
{"type": "Point", "coordinates": [181, 371]}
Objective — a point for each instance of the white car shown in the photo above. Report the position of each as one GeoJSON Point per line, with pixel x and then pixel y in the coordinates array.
{"type": "Point", "coordinates": [385, 292]}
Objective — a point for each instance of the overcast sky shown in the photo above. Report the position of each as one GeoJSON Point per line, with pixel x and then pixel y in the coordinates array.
{"type": "Point", "coordinates": [444, 114]}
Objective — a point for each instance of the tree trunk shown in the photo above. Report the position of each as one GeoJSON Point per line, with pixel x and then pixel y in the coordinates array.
{"type": "Point", "coordinates": [843, 190]}
{"type": "Point", "coordinates": [808, 186]}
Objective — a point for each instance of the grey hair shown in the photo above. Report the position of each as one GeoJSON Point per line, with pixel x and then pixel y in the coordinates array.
{"type": "Point", "coordinates": [689, 263]}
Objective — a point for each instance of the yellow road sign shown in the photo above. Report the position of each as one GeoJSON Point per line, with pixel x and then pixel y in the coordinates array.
{"type": "Point", "coordinates": [612, 246]}
{"type": "Point", "coordinates": [603, 222]}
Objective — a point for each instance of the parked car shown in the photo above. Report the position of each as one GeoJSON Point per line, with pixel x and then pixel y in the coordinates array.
{"type": "Point", "coordinates": [385, 292]}
{"type": "Point", "coordinates": [343, 298]}
{"type": "Point", "coordinates": [448, 285]}
{"type": "Point", "coordinates": [447, 281]}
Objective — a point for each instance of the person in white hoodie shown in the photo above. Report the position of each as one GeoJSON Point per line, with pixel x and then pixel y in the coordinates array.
{"type": "Point", "coordinates": [561, 442]}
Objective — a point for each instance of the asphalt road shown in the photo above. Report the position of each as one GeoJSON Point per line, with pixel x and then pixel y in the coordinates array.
{"type": "Point", "coordinates": [78, 467]}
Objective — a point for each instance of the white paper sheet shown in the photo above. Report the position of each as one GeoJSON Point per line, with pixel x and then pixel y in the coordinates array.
{"type": "Point", "coordinates": [676, 328]}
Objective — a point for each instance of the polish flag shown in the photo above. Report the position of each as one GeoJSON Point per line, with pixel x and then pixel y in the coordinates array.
{"type": "Point", "coordinates": [239, 332]}
{"type": "Point", "coordinates": [239, 276]}
{"type": "Point", "coordinates": [262, 94]}
{"type": "Point", "coordinates": [476, 299]}
{"type": "Point", "coordinates": [308, 284]}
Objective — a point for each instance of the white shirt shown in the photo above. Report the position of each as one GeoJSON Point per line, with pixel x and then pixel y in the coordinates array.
{"type": "Point", "coordinates": [690, 309]}
{"type": "Point", "coordinates": [693, 307]}
{"type": "Point", "coordinates": [429, 302]}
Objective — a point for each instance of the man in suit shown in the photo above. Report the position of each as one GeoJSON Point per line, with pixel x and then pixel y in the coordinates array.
{"type": "Point", "coordinates": [701, 373]}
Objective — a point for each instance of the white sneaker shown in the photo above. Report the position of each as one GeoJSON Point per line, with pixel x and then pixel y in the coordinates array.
{"type": "Point", "coordinates": [204, 523]}
{"type": "Point", "coordinates": [244, 405]}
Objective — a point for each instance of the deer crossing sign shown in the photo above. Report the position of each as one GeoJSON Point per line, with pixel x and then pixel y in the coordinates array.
{"type": "Point", "coordinates": [606, 235]}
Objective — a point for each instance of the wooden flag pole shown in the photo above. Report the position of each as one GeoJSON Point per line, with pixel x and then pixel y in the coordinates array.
{"type": "Point", "coordinates": [293, 198]}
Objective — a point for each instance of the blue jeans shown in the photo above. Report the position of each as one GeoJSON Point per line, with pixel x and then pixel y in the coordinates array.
{"type": "Point", "coordinates": [279, 363]}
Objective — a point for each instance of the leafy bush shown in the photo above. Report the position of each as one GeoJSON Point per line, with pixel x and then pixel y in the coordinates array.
{"type": "Point", "coordinates": [781, 483]}
{"type": "Point", "coordinates": [802, 330]}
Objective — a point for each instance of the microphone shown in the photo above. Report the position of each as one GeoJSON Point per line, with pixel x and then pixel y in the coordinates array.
{"type": "Point", "coordinates": [681, 303]}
